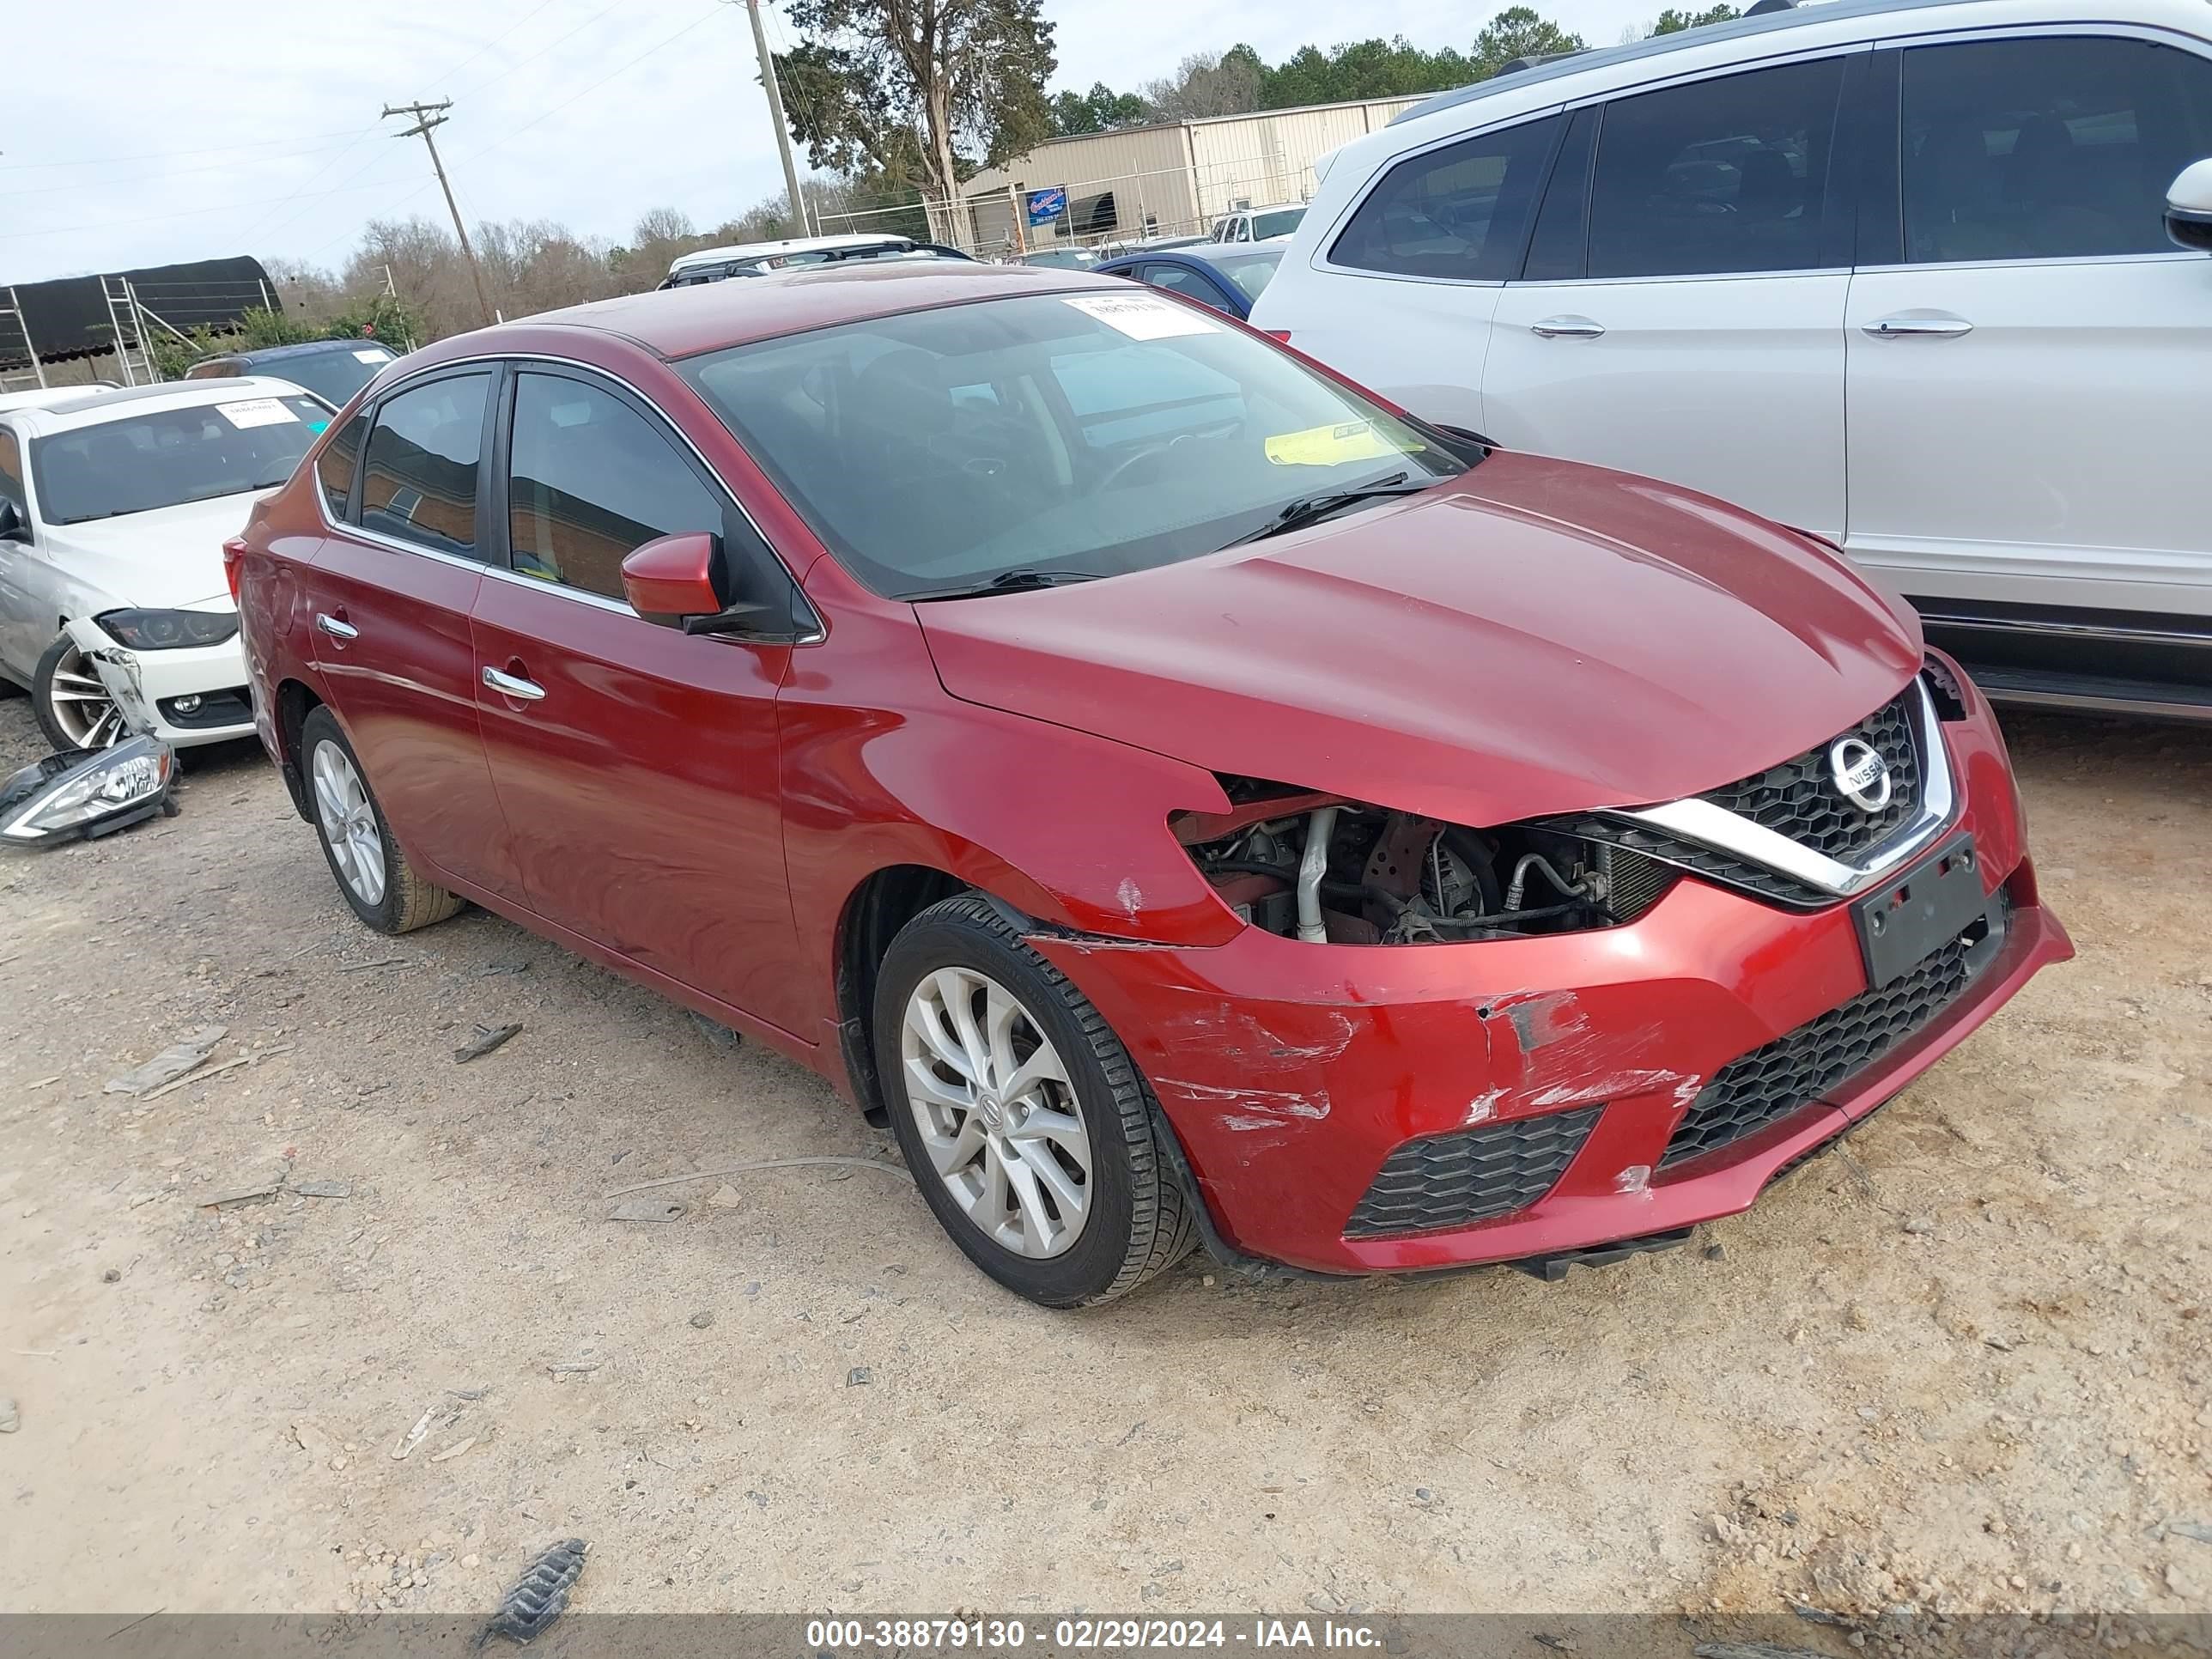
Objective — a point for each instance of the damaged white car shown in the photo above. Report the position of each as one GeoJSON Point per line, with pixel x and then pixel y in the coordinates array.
{"type": "Point", "coordinates": [113, 510]}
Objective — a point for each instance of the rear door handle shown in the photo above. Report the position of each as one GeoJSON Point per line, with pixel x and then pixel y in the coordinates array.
{"type": "Point", "coordinates": [1567, 328]}
{"type": "Point", "coordinates": [335, 627]}
{"type": "Point", "coordinates": [1901, 328]}
{"type": "Point", "coordinates": [508, 685]}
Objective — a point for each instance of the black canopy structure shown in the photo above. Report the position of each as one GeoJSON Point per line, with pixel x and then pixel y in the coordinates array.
{"type": "Point", "coordinates": [69, 318]}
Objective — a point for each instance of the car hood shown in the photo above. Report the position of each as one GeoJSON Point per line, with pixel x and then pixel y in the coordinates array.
{"type": "Point", "coordinates": [1534, 637]}
{"type": "Point", "coordinates": [170, 558]}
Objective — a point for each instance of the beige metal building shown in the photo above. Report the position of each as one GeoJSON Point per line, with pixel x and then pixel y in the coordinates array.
{"type": "Point", "coordinates": [1172, 179]}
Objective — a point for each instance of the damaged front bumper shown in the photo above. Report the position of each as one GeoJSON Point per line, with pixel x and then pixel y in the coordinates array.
{"type": "Point", "coordinates": [191, 695]}
{"type": "Point", "coordinates": [1338, 1105]}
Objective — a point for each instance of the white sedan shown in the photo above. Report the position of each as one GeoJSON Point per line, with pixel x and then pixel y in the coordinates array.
{"type": "Point", "coordinates": [114, 509]}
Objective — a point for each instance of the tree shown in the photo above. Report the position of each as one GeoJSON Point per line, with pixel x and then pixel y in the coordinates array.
{"type": "Point", "coordinates": [1363, 68]}
{"type": "Point", "coordinates": [1672, 22]}
{"type": "Point", "coordinates": [1205, 84]}
{"type": "Point", "coordinates": [1519, 32]}
{"type": "Point", "coordinates": [920, 91]}
{"type": "Point", "coordinates": [1099, 110]}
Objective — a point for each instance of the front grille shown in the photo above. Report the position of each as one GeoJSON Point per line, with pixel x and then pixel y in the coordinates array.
{"type": "Point", "coordinates": [1709, 862]}
{"type": "Point", "coordinates": [1799, 798]}
{"type": "Point", "coordinates": [1801, 1067]}
{"type": "Point", "coordinates": [1472, 1175]}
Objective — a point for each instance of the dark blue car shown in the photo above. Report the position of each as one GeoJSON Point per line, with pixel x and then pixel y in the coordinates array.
{"type": "Point", "coordinates": [1227, 278]}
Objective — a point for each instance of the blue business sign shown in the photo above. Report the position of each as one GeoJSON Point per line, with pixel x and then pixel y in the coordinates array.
{"type": "Point", "coordinates": [1047, 205]}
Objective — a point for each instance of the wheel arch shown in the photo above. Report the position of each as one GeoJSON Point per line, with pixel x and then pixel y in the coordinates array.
{"type": "Point", "coordinates": [879, 905]}
{"type": "Point", "coordinates": [294, 699]}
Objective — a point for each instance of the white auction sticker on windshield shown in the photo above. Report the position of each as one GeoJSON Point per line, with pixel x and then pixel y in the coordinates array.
{"type": "Point", "coordinates": [1142, 317]}
{"type": "Point", "coordinates": [256, 411]}
{"type": "Point", "coordinates": [371, 357]}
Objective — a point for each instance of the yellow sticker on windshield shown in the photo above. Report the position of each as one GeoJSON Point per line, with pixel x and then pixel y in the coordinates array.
{"type": "Point", "coordinates": [1328, 445]}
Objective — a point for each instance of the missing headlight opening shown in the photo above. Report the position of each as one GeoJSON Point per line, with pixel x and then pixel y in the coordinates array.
{"type": "Point", "coordinates": [1392, 878]}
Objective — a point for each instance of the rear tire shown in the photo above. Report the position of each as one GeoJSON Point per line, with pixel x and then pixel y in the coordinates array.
{"type": "Point", "coordinates": [383, 888]}
{"type": "Point", "coordinates": [1084, 1205]}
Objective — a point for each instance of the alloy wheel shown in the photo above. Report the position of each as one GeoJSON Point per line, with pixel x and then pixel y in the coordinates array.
{"type": "Point", "coordinates": [80, 705]}
{"type": "Point", "coordinates": [348, 819]}
{"type": "Point", "coordinates": [998, 1115]}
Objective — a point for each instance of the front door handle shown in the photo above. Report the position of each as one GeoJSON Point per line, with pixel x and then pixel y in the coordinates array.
{"type": "Point", "coordinates": [1902, 328]}
{"type": "Point", "coordinates": [335, 627]}
{"type": "Point", "coordinates": [1567, 328]}
{"type": "Point", "coordinates": [509, 685]}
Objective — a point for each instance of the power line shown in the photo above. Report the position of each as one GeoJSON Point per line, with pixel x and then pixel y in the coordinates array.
{"type": "Point", "coordinates": [165, 154]}
{"type": "Point", "coordinates": [172, 173]}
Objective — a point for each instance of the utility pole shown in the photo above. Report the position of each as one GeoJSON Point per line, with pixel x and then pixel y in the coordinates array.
{"type": "Point", "coordinates": [425, 117]}
{"type": "Point", "coordinates": [775, 113]}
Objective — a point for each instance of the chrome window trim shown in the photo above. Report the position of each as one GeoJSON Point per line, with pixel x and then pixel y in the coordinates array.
{"type": "Point", "coordinates": [1715, 827]}
{"type": "Point", "coordinates": [538, 584]}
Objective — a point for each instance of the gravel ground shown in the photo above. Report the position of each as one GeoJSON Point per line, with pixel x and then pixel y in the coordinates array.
{"type": "Point", "coordinates": [1961, 1364]}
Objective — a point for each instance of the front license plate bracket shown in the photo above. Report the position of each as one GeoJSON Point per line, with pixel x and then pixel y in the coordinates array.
{"type": "Point", "coordinates": [1922, 910]}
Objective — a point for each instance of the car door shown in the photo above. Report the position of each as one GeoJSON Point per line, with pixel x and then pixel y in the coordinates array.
{"type": "Point", "coordinates": [390, 596]}
{"type": "Point", "coordinates": [637, 763]}
{"type": "Point", "coordinates": [2031, 368]}
{"type": "Point", "coordinates": [1414, 275]}
{"type": "Point", "coordinates": [1680, 311]}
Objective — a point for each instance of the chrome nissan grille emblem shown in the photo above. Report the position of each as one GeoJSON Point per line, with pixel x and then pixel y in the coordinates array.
{"type": "Point", "coordinates": [1861, 775]}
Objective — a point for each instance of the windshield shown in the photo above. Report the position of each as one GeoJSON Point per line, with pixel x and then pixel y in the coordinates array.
{"type": "Point", "coordinates": [333, 376]}
{"type": "Point", "coordinates": [1281, 223]}
{"type": "Point", "coordinates": [1249, 272]}
{"type": "Point", "coordinates": [164, 458]}
{"type": "Point", "coordinates": [1089, 433]}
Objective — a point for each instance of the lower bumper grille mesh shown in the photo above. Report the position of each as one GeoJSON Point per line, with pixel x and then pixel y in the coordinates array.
{"type": "Point", "coordinates": [1473, 1174]}
{"type": "Point", "coordinates": [1800, 1067]}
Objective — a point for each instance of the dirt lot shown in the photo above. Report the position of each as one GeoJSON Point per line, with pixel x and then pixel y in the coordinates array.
{"type": "Point", "coordinates": [1962, 1366]}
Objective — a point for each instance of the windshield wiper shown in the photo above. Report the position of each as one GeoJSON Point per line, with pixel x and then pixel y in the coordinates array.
{"type": "Point", "coordinates": [1010, 581]}
{"type": "Point", "coordinates": [1306, 509]}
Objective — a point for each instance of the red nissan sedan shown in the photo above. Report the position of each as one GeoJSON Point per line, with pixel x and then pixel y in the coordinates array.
{"type": "Point", "coordinates": [1184, 794]}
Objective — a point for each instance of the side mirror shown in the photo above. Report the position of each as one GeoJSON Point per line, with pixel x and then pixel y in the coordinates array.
{"type": "Point", "coordinates": [13, 528]}
{"type": "Point", "coordinates": [2189, 207]}
{"type": "Point", "coordinates": [672, 579]}
{"type": "Point", "coordinates": [684, 581]}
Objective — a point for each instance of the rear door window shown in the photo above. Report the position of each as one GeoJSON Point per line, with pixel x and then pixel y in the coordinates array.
{"type": "Point", "coordinates": [1716, 176]}
{"type": "Point", "coordinates": [334, 466]}
{"type": "Point", "coordinates": [1457, 213]}
{"type": "Point", "coordinates": [1182, 279]}
{"type": "Point", "coordinates": [419, 482]}
{"type": "Point", "coordinates": [2061, 146]}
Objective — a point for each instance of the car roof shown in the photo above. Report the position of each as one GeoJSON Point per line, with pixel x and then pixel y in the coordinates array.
{"type": "Point", "coordinates": [1578, 62]}
{"type": "Point", "coordinates": [304, 348]}
{"type": "Point", "coordinates": [1216, 254]}
{"type": "Point", "coordinates": [100, 407]}
{"type": "Point", "coordinates": [715, 256]}
{"type": "Point", "coordinates": [680, 322]}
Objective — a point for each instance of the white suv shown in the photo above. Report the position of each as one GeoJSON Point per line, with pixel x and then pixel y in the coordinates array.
{"type": "Point", "coordinates": [1901, 274]}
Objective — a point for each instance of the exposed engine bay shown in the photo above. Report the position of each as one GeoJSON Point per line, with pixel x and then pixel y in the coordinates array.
{"type": "Point", "coordinates": [1321, 869]}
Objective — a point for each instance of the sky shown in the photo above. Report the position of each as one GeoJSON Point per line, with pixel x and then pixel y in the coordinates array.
{"type": "Point", "coordinates": [144, 133]}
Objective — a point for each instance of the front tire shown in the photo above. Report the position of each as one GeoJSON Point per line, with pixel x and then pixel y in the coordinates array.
{"type": "Point", "coordinates": [71, 703]}
{"type": "Point", "coordinates": [383, 888]}
{"type": "Point", "coordinates": [1021, 1115]}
